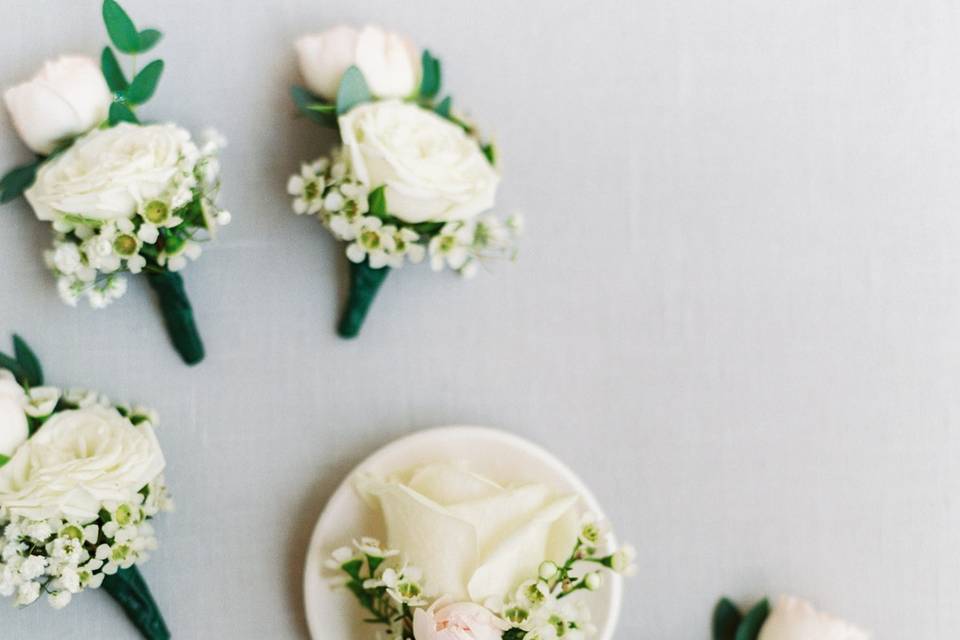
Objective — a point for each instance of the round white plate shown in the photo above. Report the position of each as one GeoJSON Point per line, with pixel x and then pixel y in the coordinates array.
{"type": "Point", "coordinates": [335, 615]}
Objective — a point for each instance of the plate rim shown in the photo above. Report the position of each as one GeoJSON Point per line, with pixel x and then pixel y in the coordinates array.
{"type": "Point", "coordinates": [614, 582]}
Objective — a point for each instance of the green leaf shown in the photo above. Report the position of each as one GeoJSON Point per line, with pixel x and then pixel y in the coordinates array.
{"type": "Point", "coordinates": [17, 181]}
{"type": "Point", "coordinates": [148, 38]}
{"type": "Point", "coordinates": [430, 82]}
{"type": "Point", "coordinates": [28, 360]}
{"type": "Point", "coordinates": [726, 619]}
{"type": "Point", "coordinates": [119, 112]}
{"type": "Point", "coordinates": [353, 91]}
{"type": "Point", "coordinates": [313, 108]}
{"type": "Point", "coordinates": [77, 219]}
{"type": "Point", "coordinates": [491, 152]}
{"type": "Point", "coordinates": [443, 109]}
{"type": "Point", "coordinates": [378, 202]}
{"type": "Point", "coordinates": [4, 459]}
{"type": "Point", "coordinates": [112, 72]}
{"type": "Point", "coordinates": [749, 629]}
{"type": "Point", "coordinates": [14, 367]}
{"type": "Point", "coordinates": [143, 86]}
{"type": "Point", "coordinates": [120, 27]}
{"type": "Point", "coordinates": [514, 634]}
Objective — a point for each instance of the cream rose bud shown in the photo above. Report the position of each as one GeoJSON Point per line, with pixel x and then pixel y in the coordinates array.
{"type": "Point", "coordinates": [431, 168]}
{"type": "Point", "coordinates": [457, 621]}
{"type": "Point", "coordinates": [473, 538]}
{"type": "Point", "coordinates": [109, 173]}
{"type": "Point", "coordinates": [796, 619]}
{"type": "Point", "coordinates": [389, 61]}
{"type": "Point", "coordinates": [76, 461]}
{"type": "Point", "coordinates": [13, 418]}
{"type": "Point", "coordinates": [67, 97]}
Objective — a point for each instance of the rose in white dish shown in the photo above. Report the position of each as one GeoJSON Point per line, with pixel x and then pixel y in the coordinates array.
{"type": "Point", "coordinates": [66, 98]}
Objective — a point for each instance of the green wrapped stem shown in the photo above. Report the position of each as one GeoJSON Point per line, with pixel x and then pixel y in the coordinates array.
{"type": "Point", "coordinates": [365, 281]}
{"type": "Point", "coordinates": [177, 314]}
{"type": "Point", "coordinates": [128, 588]}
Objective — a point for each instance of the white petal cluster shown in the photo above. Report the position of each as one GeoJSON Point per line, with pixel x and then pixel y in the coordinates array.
{"type": "Point", "coordinates": [75, 498]}
{"type": "Point", "coordinates": [126, 199]}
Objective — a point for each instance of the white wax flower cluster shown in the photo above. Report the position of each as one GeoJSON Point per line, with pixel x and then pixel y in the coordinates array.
{"type": "Point", "coordinates": [127, 199]}
{"type": "Point", "coordinates": [76, 497]}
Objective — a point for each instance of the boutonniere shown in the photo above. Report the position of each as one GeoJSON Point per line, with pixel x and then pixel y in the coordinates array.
{"type": "Point", "coordinates": [411, 179]}
{"type": "Point", "coordinates": [122, 196]}
{"type": "Point", "coordinates": [470, 558]}
{"type": "Point", "coordinates": [790, 619]}
{"type": "Point", "coordinates": [80, 480]}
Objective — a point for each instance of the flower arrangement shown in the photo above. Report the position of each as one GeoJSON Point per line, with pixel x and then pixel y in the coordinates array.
{"type": "Point", "coordinates": [473, 560]}
{"type": "Point", "coordinates": [411, 177]}
{"type": "Point", "coordinates": [790, 619]}
{"type": "Point", "coordinates": [80, 480]}
{"type": "Point", "coordinates": [122, 196]}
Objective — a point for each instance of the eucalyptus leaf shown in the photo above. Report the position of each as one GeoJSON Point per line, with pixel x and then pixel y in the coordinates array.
{"type": "Point", "coordinates": [313, 108]}
{"type": "Point", "coordinates": [112, 72]}
{"type": "Point", "coordinates": [443, 109]}
{"type": "Point", "coordinates": [430, 82]}
{"type": "Point", "coordinates": [18, 180]}
{"type": "Point", "coordinates": [14, 367]}
{"type": "Point", "coordinates": [726, 620]}
{"type": "Point", "coordinates": [148, 38]}
{"type": "Point", "coordinates": [377, 200]}
{"type": "Point", "coordinates": [123, 33]}
{"type": "Point", "coordinates": [119, 112]}
{"type": "Point", "coordinates": [749, 628]}
{"type": "Point", "coordinates": [28, 361]}
{"type": "Point", "coordinates": [353, 91]}
{"type": "Point", "coordinates": [144, 85]}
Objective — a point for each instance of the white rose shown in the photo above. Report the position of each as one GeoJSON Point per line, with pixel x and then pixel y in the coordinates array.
{"type": "Point", "coordinates": [389, 61]}
{"type": "Point", "coordinates": [795, 619]}
{"type": "Point", "coordinates": [13, 418]}
{"type": "Point", "coordinates": [108, 173]}
{"type": "Point", "coordinates": [76, 461]}
{"type": "Point", "coordinates": [472, 537]}
{"type": "Point", "coordinates": [432, 169]}
{"type": "Point", "coordinates": [67, 97]}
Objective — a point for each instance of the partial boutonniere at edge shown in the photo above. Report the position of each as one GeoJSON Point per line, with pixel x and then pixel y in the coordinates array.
{"type": "Point", "coordinates": [473, 560]}
{"type": "Point", "coordinates": [411, 178]}
{"type": "Point", "coordinates": [790, 619]}
{"type": "Point", "coordinates": [80, 479]}
{"type": "Point", "coordinates": [120, 194]}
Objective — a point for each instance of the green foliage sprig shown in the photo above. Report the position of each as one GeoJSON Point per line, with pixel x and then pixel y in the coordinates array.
{"type": "Point", "coordinates": [729, 624]}
{"type": "Point", "coordinates": [24, 365]}
{"type": "Point", "coordinates": [125, 36]}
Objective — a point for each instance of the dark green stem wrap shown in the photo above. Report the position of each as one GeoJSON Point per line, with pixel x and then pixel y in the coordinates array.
{"type": "Point", "coordinates": [177, 314]}
{"type": "Point", "coordinates": [130, 591]}
{"type": "Point", "coordinates": [365, 281]}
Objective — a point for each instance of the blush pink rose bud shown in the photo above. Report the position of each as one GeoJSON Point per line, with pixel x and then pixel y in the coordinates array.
{"type": "Point", "coordinates": [457, 621]}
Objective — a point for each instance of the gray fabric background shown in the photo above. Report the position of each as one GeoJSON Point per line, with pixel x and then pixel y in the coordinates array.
{"type": "Point", "coordinates": [736, 314]}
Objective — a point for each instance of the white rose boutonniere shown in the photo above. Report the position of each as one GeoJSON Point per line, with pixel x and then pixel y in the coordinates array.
{"type": "Point", "coordinates": [77, 495]}
{"type": "Point", "coordinates": [412, 178]}
{"type": "Point", "coordinates": [470, 558]}
{"type": "Point", "coordinates": [790, 619]}
{"type": "Point", "coordinates": [121, 196]}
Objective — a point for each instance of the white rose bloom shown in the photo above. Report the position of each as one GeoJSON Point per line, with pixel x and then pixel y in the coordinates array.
{"type": "Point", "coordinates": [76, 461]}
{"type": "Point", "coordinates": [472, 537]}
{"type": "Point", "coordinates": [389, 61]}
{"type": "Point", "coordinates": [796, 619]}
{"type": "Point", "coordinates": [432, 169]}
{"type": "Point", "coordinates": [108, 173]}
{"type": "Point", "coordinates": [13, 418]}
{"type": "Point", "coordinates": [67, 97]}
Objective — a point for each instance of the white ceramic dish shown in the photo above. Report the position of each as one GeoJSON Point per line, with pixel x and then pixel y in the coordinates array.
{"type": "Point", "coordinates": [334, 615]}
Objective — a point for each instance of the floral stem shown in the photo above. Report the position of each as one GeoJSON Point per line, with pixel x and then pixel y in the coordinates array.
{"type": "Point", "coordinates": [177, 314]}
{"type": "Point", "coordinates": [128, 588]}
{"type": "Point", "coordinates": [365, 281]}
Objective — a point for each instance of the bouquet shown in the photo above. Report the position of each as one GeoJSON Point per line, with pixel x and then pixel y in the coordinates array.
{"type": "Point", "coordinates": [122, 196]}
{"type": "Point", "coordinates": [80, 479]}
{"type": "Point", "coordinates": [411, 177]}
{"type": "Point", "coordinates": [790, 619]}
{"type": "Point", "coordinates": [470, 559]}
